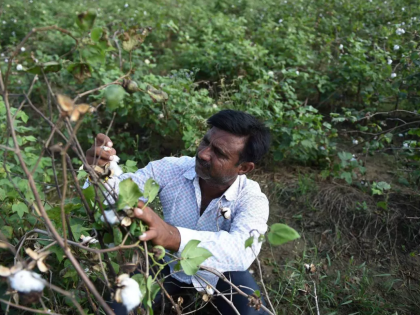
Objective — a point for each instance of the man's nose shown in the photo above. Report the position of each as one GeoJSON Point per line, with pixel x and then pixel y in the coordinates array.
{"type": "Point", "coordinates": [204, 153]}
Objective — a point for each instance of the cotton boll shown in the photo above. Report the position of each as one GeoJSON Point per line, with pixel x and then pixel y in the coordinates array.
{"type": "Point", "coordinates": [226, 213]}
{"type": "Point", "coordinates": [390, 61]}
{"type": "Point", "coordinates": [114, 167]}
{"type": "Point", "coordinates": [110, 217]}
{"type": "Point", "coordinates": [393, 75]}
{"type": "Point", "coordinates": [396, 47]}
{"type": "Point", "coordinates": [26, 281]}
{"type": "Point", "coordinates": [355, 142]}
{"type": "Point", "coordinates": [209, 290]}
{"type": "Point", "coordinates": [129, 293]}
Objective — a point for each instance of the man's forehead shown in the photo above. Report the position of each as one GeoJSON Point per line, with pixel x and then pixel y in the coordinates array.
{"type": "Point", "coordinates": [225, 138]}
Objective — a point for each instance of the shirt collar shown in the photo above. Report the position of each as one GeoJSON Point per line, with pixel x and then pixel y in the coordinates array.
{"type": "Point", "coordinates": [230, 194]}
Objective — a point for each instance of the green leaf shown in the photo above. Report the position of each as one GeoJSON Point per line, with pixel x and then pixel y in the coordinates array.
{"type": "Point", "coordinates": [20, 209]}
{"type": "Point", "coordinates": [249, 241]}
{"type": "Point", "coordinates": [257, 293]}
{"type": "Point", "coordinates": [58, 251]}
{"type": "Point", "coordinates": [2, 194]}
{"type": "Point", "coordinates": [129, 194]}
{"type": "Point", "coordinates": [193, 256]}
{"type": "Point", "coordinates": [281, 233]}
{"type": "Point", "coordinates": [7, 231]}
{"type": "Point", "coordinates": [130, 166]}
{"type": "Point", "coordinates": [86, 20]}
{"type": "Point", "coordinates": [30, 138]}
{"type": "Point", "coordinates": [47, 67]}
{"type": "Point", "coordinates": [347, 177]}
{"type": "Point", "coordinates": [345, 156]}
{"type": "Point", "coordinates": [81, 174]}
{"type": "Point", "coordinates": [151, 189]}
{"type": "Point", "coordinates": [77, 230]}
{"type": "Point", "coordinates": [96, 34]}
{"type": "Point", "coordinates": [114, 94]}
{"type": "Point", "coordinates": [115, 266]}
{"type": "Point", "coordinates": [55, 213]}
{"type": "Point", "coordinates": [117, 235]}
{"type": "Point", "coordinates": [382, 204]}
{"type": "Point", "coordinates": [89, 194]}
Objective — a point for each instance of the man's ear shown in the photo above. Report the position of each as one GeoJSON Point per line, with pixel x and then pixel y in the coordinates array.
{"type": "Point", "coordinates": [246, 167]}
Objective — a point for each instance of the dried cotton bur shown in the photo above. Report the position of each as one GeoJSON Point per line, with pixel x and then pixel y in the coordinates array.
{"type": "Point", "coordinates": [128, 292]}
{"type": "Point", "coordinates": [69, 109]}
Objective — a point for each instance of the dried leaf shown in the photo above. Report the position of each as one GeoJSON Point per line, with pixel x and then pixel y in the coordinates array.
{"type": "Point", "coordinates": [31, 253]}
{"type": "Point", "coordinates": [4, 271]}
{"type": "Point", "coordinates": [157, 96]}
{"type": "Point", "coordinates": [66, 104]}
{"type": "Point", "coordinates": [82, 108]}
{"type": "Point", "coordinates": [206, 297]}
{"type": "Point", "coordinates": [118, 298]}
{"type": "Point", "coordinates": [42, 266]}
{"type": "Point", "coordinates": [126, 221]}
{"type": "Point", "coordinates": [3, 245]}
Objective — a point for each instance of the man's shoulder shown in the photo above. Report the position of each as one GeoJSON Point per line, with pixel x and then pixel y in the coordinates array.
{"type": "Point", "coordinates": [250, 188]}
{"type": "Point", "coordinates": [175, 164]}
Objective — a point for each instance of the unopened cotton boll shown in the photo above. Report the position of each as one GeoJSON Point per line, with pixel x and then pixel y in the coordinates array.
{"type": "Point", "coordinates": [26, 281]}
{"type": "Point", "coordinates": [393, 75]}
{"type": "Point", "coordinates": [19, 67]}
{"type": "Point", "coordinates": [226, 213]}
{"type": "Point", "coordinates": [110, 217]}
{"type": "Point", "coordinates": [129, 293]}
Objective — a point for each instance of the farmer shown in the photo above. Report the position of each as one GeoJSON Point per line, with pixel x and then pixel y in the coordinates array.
{"type": "Point", "coordinates": [208, 198]}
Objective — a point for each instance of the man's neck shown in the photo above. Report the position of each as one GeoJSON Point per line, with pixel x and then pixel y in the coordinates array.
{"type": "Point", "coordinates": [213, 191]}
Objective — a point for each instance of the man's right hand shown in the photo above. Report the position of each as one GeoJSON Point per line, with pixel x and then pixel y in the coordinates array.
{"type": "Point", "coordinates": [96, 155]}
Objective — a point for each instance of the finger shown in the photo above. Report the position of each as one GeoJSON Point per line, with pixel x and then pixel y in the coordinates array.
{"type": "Point", "coordinates": [92, 160]}
{"type": "Point", "coordinates": [100, 152]}
{"type": "Point", "coordinates": [148, 235]}
{"type": "Point", "coordinates": [145, 215]}
{"type": "Point", "coordinates": [102, 139]}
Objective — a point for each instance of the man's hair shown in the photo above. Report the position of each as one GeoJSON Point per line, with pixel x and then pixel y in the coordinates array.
{"type": "Point", "coordinates": [243, 124]}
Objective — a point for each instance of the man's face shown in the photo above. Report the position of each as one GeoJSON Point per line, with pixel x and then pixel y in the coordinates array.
{"type": "Point", "coordinates": [218, 156]}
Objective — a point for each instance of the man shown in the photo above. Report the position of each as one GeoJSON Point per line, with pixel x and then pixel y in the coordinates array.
{"type": "Point", "coordinates": [193, 192]}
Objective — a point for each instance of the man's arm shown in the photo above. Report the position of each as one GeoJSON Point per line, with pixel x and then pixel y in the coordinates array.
{"type": "Point", "coordinates": [227, 248]}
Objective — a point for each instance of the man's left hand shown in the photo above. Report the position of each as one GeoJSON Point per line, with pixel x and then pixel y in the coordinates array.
{"type": "Point", "coordinates": [159, 232]}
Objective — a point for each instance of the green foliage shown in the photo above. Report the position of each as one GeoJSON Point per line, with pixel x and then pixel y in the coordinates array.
{"type": "Point", "coordinates": [281, 233]}
{"type": "Point", "coordinates": [193, 256]}
{"type": "Point", "coordinates": [129, 194]}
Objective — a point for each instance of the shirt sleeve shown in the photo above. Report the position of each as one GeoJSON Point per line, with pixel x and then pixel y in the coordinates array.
{"type": "Point", "coordinates": [228, 248]}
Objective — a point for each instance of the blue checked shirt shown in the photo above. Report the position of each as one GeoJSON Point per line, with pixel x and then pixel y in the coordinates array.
{"type": "Point", "coordinates": [180, 196]}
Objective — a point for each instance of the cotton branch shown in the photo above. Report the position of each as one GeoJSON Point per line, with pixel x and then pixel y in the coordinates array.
{"type": "Point", "coordinates": [38, 200]}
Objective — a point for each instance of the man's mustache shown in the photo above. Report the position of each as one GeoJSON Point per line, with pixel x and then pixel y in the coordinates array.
{"type": "Point", "coordinates": [202, 162]}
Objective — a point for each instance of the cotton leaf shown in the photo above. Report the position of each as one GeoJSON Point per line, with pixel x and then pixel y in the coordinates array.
{"type": "Point", "coordinates": [281, 233]}
{"type": "Point", "coordinates": [129, 194]}
{"type": "Point", "coordinates": [192, 256]}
